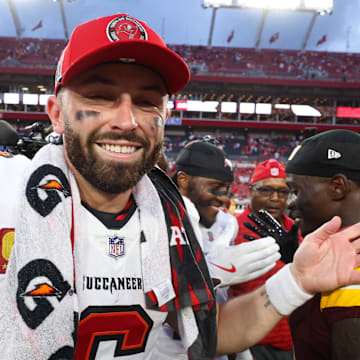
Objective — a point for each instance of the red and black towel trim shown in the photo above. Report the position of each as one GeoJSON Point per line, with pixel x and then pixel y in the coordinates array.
{"type": "Point", "coordinates": [190, 275]}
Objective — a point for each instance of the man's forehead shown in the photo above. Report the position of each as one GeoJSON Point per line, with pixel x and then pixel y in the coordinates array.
{"type": "Point", "coordinates": [300, 179]}
{"type": "Point", "coordinates": [271, 182]}
{"type": "Point", "coordinates": [113, 72]}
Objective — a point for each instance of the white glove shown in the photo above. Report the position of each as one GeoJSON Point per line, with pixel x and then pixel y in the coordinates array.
{"type": "Point", "coordinates": [240, 263]}
{"type": "Point", "coordinates": [222, 233]}
{"type": "Point", "coordinates": [225, 228]}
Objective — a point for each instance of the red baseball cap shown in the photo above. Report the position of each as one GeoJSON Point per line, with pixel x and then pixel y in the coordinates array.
{"type": "Point", "coordinates": [268, 169]}
{"type": "Point", "coordinates": [120, 37]}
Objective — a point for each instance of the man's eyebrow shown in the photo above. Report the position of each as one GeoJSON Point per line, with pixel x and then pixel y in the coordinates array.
{"type": "Point", "coordinates": [98, 79]}
{"type": "Point", "coordinates": [155, 88]}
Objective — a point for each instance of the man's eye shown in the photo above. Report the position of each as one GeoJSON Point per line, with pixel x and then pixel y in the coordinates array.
{"type": "Point", "coordinates": [220, 192]}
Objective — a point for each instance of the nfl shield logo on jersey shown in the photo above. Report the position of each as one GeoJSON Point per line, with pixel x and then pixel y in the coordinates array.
{"type": "Point", "coordinates": [116, 246]}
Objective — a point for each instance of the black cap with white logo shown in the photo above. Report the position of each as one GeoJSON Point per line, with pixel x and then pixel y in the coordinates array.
{"type": "Point", "coordinates": [204, 159]}
{"type": "Point", "coordinates": [326, 154]}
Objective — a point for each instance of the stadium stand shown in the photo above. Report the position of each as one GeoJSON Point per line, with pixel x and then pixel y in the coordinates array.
{"type": "Point", "coordinates": [247, 62]}
{"type": "Point", "coordinates": [269, 63]}
{"type": "Point", "coordinates": [326, 82]}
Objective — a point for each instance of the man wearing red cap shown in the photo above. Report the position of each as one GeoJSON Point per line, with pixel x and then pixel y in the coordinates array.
{"type": "Point", "coordinates": [269, 192]}
{"type": "Point", "coordinates": [105, 251]}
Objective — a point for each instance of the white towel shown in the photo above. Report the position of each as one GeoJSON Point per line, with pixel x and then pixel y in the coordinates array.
{"type": "Point", "coordinates": [39, 300]}
{"type": "Point", "coordinates": [43, 232]}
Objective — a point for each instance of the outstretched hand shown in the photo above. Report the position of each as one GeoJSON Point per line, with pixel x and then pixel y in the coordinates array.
{"type": "Point", "coordinates": [266, 225]}
{"type": "Point", "coordinates": [236, 264]}
{"type": "Point", "coordinates": [327, 258]}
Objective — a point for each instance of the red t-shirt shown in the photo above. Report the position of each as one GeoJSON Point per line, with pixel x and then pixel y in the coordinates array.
{"type": "Point", "coordinates": [280, 336]}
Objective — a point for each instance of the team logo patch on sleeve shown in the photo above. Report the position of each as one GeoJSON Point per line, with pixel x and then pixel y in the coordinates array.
{"type": "Point", "coordinates": [116, 246]}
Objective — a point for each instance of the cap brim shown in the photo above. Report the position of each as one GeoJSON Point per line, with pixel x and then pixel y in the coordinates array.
{"type": "Point", "coordinates": [164, 61]}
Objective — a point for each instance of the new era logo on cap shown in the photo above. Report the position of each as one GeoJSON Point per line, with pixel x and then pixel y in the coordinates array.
{"type": "Point", "coordinates": [228, 163]}
{"type": "Point", "coordinates": [333, 154]}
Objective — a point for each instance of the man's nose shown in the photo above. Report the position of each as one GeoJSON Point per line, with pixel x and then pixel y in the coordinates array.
{"type": "Point", "coordinates": [123, 117]}
{"type": "Point", "coordinates": [275, 196]}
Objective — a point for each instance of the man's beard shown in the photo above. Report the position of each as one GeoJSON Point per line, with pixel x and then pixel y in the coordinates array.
{"type": "Point", "coordinates": [193, 193]}
{"type": "Point", "coordinates": [107, 175]}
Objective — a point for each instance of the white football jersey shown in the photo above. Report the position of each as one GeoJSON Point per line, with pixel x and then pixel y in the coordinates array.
{"type": "Point", "coordinates": [114, 321]}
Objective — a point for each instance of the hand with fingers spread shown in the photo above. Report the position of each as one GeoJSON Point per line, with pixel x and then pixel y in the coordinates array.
{"type": "Point", "coordinates": [240, 263]}
{"type": "Point", "coordinates": [266, 225]}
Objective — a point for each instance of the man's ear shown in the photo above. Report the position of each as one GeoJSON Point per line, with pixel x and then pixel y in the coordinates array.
{"type": "Point", "coordinates": [339, 187]}
{"type": "Point", "coordinates": [55, 114]}
{"type": "Point", "coordinates": [183, 181]}
{"type": "Point", "coordinates": [167, 114]}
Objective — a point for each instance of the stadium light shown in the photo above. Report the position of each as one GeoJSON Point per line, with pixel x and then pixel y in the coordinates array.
{"type": "Point", "coordinates": [319, 6]}
{"type": "Point", "coordinates": [305, 110]}
{"type": "Point", "coordinates": [247, 108]}
{"type": "Point", "coordinates": [275, 4]}
{"type": "Point", "coordinates": [263, 109]}
{"type": "Point", "coordinates": [229, 107]}
{"type": "Point", "coordinates": [282, 106]}
{"type": "Point", "coordinates": [298, 5]}
{"type": "Point", "coordinates": [11, 98]}
{"type": "Point", "coordinates": [30, 99]}
{"type": "Point", "coordinates": [43, 98]}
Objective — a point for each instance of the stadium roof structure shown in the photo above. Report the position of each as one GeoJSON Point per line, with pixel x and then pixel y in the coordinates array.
{"type": "Point", "coordinates": [316, 7]}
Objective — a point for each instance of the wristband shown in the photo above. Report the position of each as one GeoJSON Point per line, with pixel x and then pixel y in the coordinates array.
{"type": "Point", "coordinates": [284, 292]}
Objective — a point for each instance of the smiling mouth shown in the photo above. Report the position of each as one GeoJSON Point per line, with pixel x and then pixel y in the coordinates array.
{"type": "Point", "coordinates": [270, 210]}
{"type": "Point", "coordinates": [119, 149]}
{"type": "Point", "coordinates": [216, 207]}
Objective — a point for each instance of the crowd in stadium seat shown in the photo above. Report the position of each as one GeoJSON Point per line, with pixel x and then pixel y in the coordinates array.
{"type": "Point", "coordinates": [247, 62]}
{"type": "Point", "coordinates": [38, 53]}
{"type": "Point", "coordinates": [246, 146]}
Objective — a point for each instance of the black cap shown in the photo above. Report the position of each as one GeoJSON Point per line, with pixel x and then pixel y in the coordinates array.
{"type": "Point", "coordinates": [8, 135]}
{"type": "Point", "coordinates": [327, 154]}
{"type": "Point", "coordinates": [206, 160]}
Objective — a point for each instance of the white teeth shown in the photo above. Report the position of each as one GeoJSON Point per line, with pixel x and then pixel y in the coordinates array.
{"type": "Point", "coordinates": [118, 148]}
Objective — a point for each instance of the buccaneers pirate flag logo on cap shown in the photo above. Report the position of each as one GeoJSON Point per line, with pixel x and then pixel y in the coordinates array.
{"type": "Point", "coordinates": [125, 28]}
